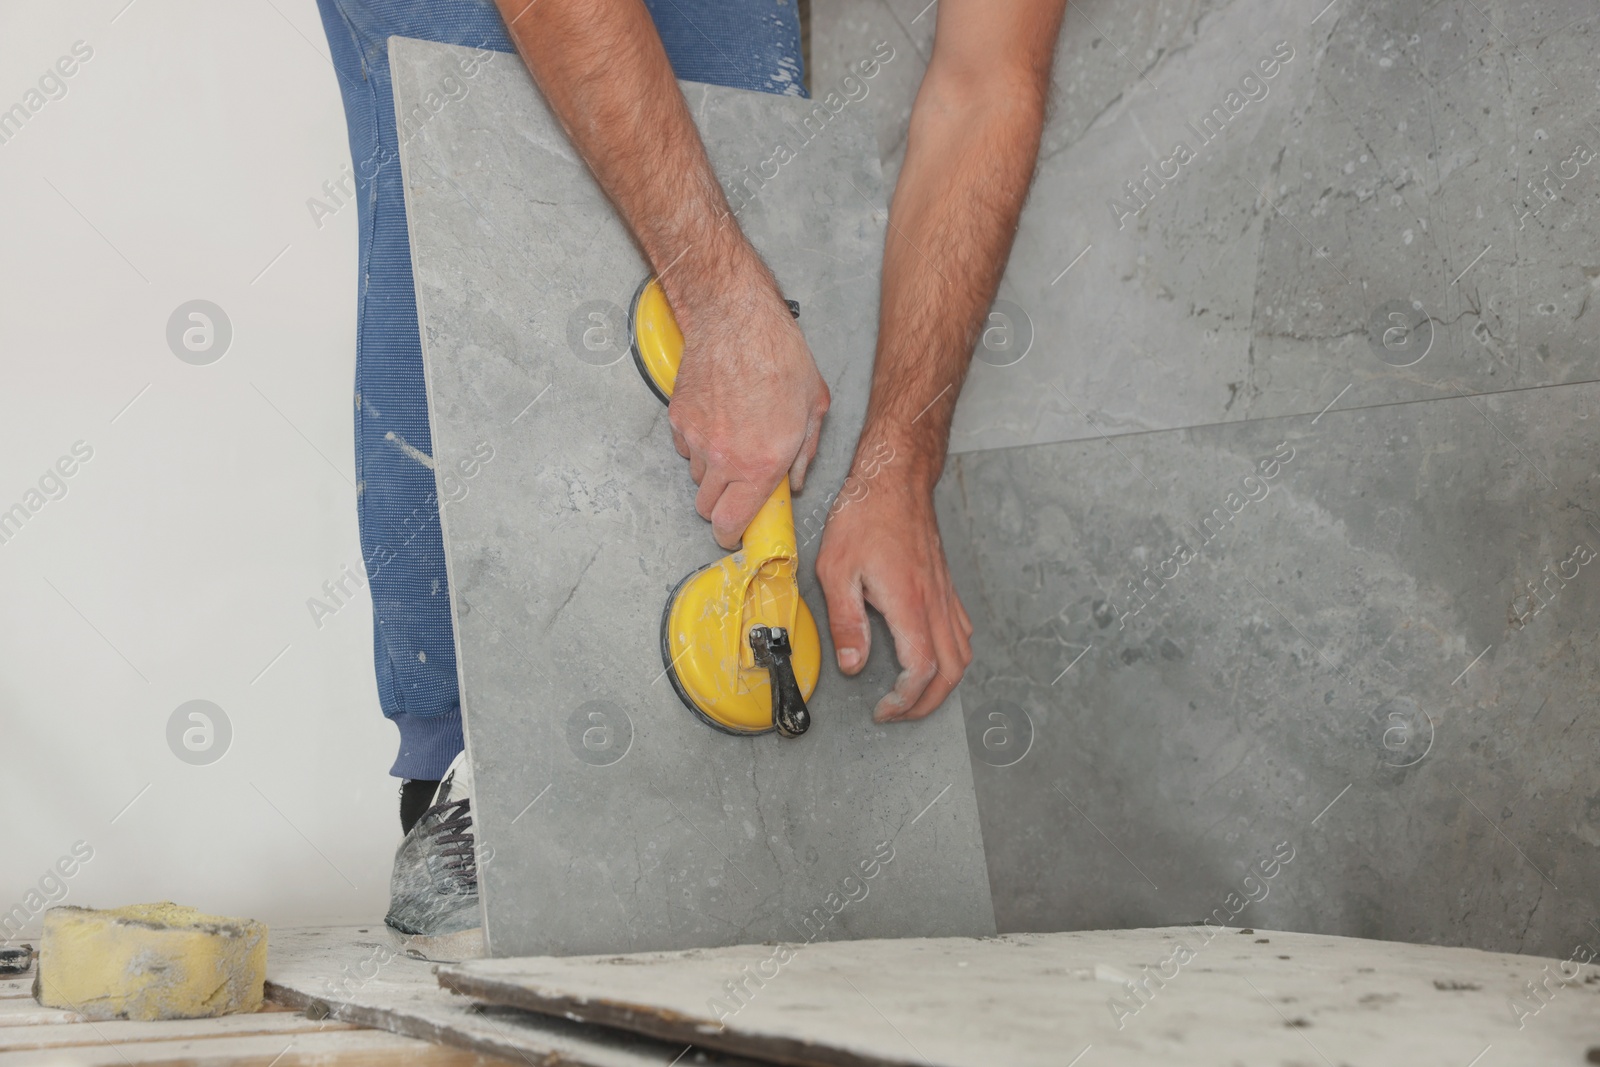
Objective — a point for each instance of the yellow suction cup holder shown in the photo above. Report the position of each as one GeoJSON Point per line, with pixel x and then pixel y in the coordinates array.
{"type": "Point", "coordinates": [738, 641]}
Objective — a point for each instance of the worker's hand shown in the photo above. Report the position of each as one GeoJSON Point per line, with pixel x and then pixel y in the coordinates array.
{"type": "Point", "coordinates": [882, 546]}
{"type": "Point", "coordinates": [748, 403]}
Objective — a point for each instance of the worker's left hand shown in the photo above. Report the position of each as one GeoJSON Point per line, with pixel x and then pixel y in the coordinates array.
{"type": "Point", "coordinates": [882, 547]}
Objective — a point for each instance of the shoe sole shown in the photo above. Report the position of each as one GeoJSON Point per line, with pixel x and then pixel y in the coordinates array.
{"type": "Point", "coordinates": [440, 948]}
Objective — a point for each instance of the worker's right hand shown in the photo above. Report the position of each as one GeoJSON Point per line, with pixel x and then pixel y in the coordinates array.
{"type": "Point", "coordinates": [748, 402]}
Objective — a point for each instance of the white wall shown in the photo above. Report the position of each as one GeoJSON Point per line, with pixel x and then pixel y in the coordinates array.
{"type": "Point", "coordinates": [178, 564]}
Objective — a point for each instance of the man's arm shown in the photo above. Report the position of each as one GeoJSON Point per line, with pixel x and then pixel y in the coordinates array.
{"type": "Point", "coordinates": [748, 404]}
{"type": "Point", "coordinates": [970, 156]}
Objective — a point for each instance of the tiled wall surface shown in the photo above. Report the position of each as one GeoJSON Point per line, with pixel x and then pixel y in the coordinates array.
{"type": "Point", "coordinates": [1379, 262]}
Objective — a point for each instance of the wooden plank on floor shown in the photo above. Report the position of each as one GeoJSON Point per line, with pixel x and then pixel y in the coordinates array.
{"type": "Point", "coordinates": [360, 976]}
{"type": "Point", "coordinates": [25, 1011]}
{"type": "Point", "coordinates": [122, 1031]}
{"type": "Point", "coordinates": [337, 1048]}
{"type": "Point", "coordinates": [16, 987]}
{"type": "Point", "coordinates": [1201, 996]}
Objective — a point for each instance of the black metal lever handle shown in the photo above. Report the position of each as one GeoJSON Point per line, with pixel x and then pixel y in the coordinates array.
{"type": "Point", "coordinates": [772, 651]}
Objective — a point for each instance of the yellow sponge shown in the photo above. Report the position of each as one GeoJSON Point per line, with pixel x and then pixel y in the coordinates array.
{"type": "Point", "coordinates": [150, 961]}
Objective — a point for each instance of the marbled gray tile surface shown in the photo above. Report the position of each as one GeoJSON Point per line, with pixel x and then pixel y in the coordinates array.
{"type": "Point", "coordinates": [1135, 998]}
{"type": "Point", "coordinates": [1435, 159]}
{"type": "Point", "coordinates": [609, 818]}
{"type": "Point", "coordinates": [1368, 634]}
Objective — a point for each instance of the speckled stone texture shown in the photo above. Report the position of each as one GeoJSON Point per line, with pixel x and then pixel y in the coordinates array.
{"type": "Point", "coordinates": [1399, 144]}
{"type": "Point", "coordinates": [609, 818]}
{"type": "Point", "coordinates": [1211, 996]}
{"type": "Point", "coordinates": [1400, 223]}
{"type": "Point", "coordinates": [1398, 622]}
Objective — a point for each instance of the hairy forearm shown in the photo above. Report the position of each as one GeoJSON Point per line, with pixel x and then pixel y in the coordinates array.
{"type": "Point", "coordinates": [602, 69]}
{"type": "Point", "coordinates": [969, 159]}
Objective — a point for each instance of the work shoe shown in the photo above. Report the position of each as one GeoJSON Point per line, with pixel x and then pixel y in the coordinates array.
{"type": "Point", "coordinates": [433, 891]}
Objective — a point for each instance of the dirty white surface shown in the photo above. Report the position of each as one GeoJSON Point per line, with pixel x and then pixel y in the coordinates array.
{"type": "Point", "coordinates": [358, 975]}
{"type": "Point", "coordinates": [1030, 1000]}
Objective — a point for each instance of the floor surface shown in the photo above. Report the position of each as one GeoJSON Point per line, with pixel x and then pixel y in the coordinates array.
{"type": "Point", "coordinates": [1213, 996]}
{"type": "Point", "coordinates": [363, 975]}
{"type": "Point", "coordinates": [275, 1035]}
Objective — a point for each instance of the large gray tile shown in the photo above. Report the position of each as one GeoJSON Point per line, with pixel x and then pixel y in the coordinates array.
{"type": "Point", "coordinates": [848, 33]}
{"type": "Point", "coordinates": [1361, 636]}
{"type": "Point", "coordinates": [1201, 996]}
{"type": "Point", "coordinates": [563, 546]}
{"type": "Point", "coordinates": [1388, 161]}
